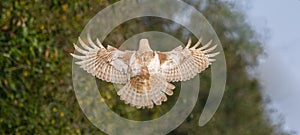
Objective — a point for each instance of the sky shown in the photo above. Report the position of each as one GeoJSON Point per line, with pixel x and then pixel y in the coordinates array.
{"type": "Point", "coordinates": [279, 23]}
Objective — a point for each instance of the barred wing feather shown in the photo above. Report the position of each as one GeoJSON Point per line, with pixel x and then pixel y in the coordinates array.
{"type": "Point", "coordinates": [109, 64]}
{"type": "Point", "coordinates": [182, 64]}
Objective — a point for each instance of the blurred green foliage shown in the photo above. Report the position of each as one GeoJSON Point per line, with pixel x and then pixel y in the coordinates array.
{"type": "Point", "coordinates": [36, 95]}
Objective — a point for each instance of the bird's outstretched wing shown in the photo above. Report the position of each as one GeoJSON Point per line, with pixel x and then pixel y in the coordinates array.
{"type": "Point", "coordinates": [109, 64]}
{"type": "Point", "coordinates": [182, 64]}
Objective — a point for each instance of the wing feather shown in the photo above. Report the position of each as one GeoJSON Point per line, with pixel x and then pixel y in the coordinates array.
{"type": "Point", "coordinates": [182, 64]}
{"type": "Point", "coordinates": [108, 64]}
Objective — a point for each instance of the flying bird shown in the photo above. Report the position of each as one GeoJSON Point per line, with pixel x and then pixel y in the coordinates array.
{"type": "Point", "coordinates": [145, 73]}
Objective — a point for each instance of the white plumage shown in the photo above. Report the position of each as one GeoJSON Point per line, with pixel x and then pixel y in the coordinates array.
{"type": "Point", "coordinates": [145, 73]}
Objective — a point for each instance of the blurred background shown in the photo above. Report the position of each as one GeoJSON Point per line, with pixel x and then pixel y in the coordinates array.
{"type": "Point", "coordinates": [259, 39]}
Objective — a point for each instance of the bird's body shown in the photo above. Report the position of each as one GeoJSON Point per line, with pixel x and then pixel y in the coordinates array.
{"type": "Point", "coordinates": [145, 73]}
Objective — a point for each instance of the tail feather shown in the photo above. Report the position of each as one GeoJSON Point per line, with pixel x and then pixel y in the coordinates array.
{"type": "Point", "coordinates": [141, 97]}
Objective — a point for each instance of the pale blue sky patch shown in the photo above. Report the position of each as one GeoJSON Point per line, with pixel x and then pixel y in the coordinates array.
{"type": "Point", "coordinates": [279, 73]}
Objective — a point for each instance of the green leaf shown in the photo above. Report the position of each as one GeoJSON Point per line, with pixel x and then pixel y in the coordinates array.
{"type": "Point", "coordinates": [24, 30]}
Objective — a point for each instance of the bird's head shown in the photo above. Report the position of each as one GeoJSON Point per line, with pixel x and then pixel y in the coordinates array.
{"type": "Point", "coordinates": [144, 46]}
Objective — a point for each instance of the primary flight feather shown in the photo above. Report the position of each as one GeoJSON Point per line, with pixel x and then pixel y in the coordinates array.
{"type": "Point", "coordinates": [146, 73]}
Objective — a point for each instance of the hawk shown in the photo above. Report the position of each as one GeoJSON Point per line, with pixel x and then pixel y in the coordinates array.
{"type": "Point", "coordinates": [145, 73]}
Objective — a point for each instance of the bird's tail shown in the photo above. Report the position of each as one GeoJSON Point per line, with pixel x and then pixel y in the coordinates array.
{"type": "Point", "coordinates": [143, 92]}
